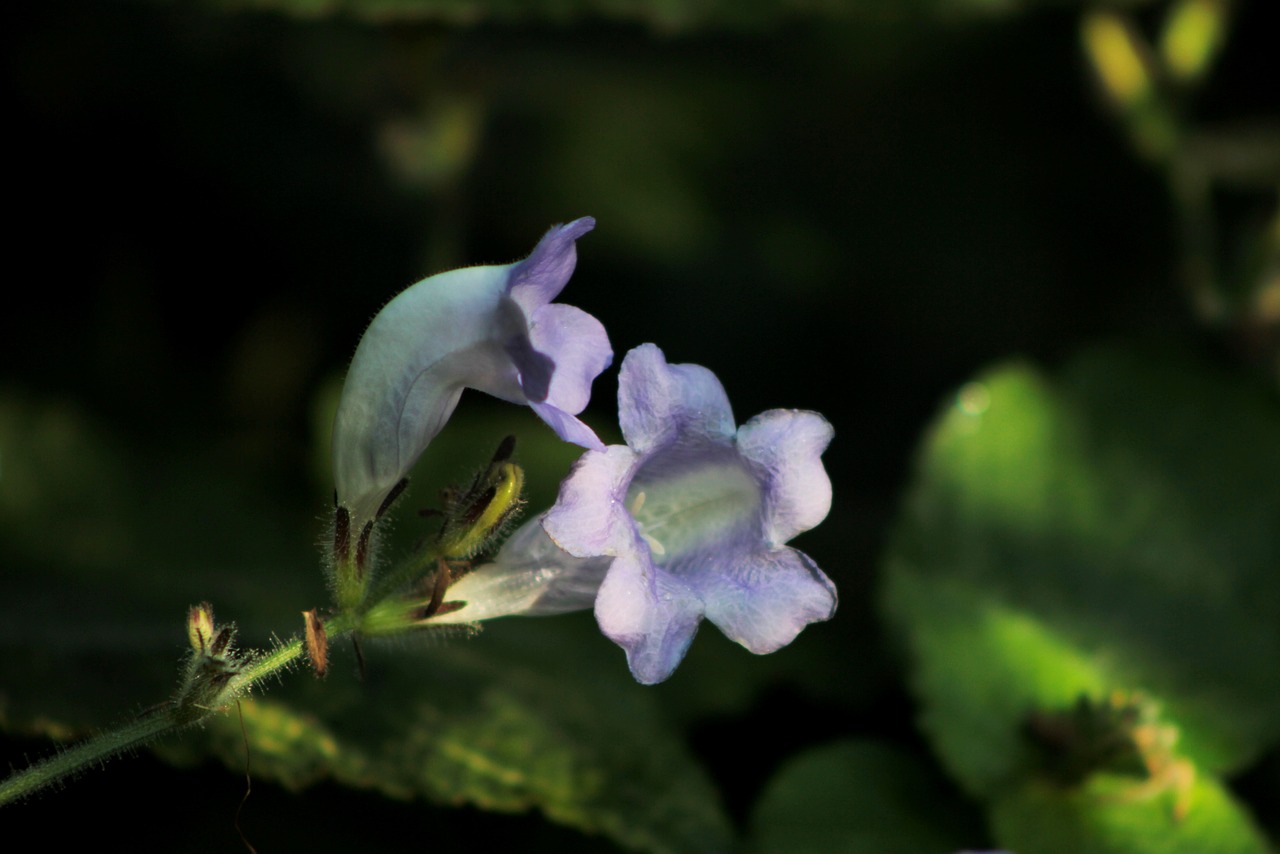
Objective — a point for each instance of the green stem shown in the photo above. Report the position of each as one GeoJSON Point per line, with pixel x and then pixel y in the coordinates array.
{"type": "Point", "coordinates": [163, 721]}
{"type": "Point", "coordinates": [93, 751]}
{"type": "Point", "coordinates": [188, 708]}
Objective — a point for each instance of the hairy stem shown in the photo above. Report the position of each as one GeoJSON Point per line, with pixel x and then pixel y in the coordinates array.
{"type": "Point", "coordinates": [162, 721]}
{"type": "Point", "coordinates": [92, 751]}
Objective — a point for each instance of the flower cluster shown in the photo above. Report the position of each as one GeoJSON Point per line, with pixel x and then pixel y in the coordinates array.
{"type": "Point", "coordinates": [689, 520]}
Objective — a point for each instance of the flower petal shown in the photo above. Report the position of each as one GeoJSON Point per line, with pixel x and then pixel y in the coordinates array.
{"type": "Point", "coordinates": [652, 620]}
{"type": "Point", "coordinates": [477, 328]}
{"type": "Point", "coordinates": [590, 517]}
{"type": "Point", "coordinates": [567, 427]}
{"type": "Point", "coordinates": [538, 279]}
{"type": "Point", "coordinates": [406, 376]}
{"type": "Point", "coordinates": [764, 601]}
{"type": "Point", "coordinates": [787, 445]}
{"type": "Point", "coordinates": [659, 403]}
{"type": "Point", "coordinates": [694, 513]}
{"type": "Point", "coordinates": [579, 347]}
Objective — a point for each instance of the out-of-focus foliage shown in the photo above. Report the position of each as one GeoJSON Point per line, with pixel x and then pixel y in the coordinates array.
{"type": "Point", "coordinates": [491, 725]}
{"type": "Point", "coordinates": [1105, 540]}
{"type": "Point", "coordinates": [1109, 817]}
{"type": "Point", "coordinates": [1151, 82]}
{"type": "Point", "coordinates": [666, 15]}
{"type": "Point", "coordinates": [860, 797]}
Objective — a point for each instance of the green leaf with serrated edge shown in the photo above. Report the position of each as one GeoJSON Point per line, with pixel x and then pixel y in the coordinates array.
{"type": "Point", "coordinates": [1109, 817]}
{"type": "Point", "coordinates": [1115, 528]}
{"type": "Point", "coordinates": [860, 796]}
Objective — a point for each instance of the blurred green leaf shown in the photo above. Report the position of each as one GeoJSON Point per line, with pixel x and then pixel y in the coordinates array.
{"type": "Point", "coordinates": [1108, 819]}
{"type": "Point", "coordinates": [104, 548]}
{"type": "Point", "coordinates": [476, 723]}
{"type": "Point", "coordinates": [56, 468]}
{"type": "Point", "coordinates": [859, 796]}
{"type": "Point", "coordinates": [1116, 528]}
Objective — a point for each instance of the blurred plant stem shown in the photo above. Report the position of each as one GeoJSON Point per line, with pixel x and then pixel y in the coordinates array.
{"type": "Point", "coordinates": [1231, 270]}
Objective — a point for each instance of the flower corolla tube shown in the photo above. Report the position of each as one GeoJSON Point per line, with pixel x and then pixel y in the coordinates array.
{"type": "Point", "coordinates": [696, 513]}
{"type": "Point", "coordinates": [491, 328]}
{"type": "Point", "coordinates": [530, 576]}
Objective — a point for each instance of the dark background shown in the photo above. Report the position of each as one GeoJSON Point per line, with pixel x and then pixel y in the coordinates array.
{"type": "Point", "coordinates": [850, 214]}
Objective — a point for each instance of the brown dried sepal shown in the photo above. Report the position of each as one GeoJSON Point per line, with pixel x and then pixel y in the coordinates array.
{"type": "Point", "coordinates": [317, 643]}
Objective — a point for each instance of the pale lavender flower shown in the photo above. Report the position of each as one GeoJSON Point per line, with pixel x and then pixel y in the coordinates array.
{"type": "Point", "coordinates": [695, 513]}
{"type": "Point", "coordinates": [489, 328]}
{"type": "Point", "coordinates": [529, 576]}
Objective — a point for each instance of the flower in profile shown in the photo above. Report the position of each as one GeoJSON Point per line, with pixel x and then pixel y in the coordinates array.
{"type": "Point", "coordinates": [490, 328]}
{"type": "Point", "coordinates": [696, 513]}
{"type": "Point", "coordinates": [530, 576]}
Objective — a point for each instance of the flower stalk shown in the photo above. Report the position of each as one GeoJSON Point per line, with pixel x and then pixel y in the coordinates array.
{"type": "Point", "coordinates": [93, 751]}
{"type": "Point", "coordinates": [207, 690]}
{"type": "Point", "coordinates": [689, 520]}
{"type": "Point", "coordinates": [216, 675]}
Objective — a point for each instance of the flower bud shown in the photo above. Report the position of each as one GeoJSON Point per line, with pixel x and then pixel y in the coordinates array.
{"type": "Point", "coordinates": [200, 631]}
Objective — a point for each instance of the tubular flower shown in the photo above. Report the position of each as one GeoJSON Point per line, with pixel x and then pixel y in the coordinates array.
{"type": "Point", "coordinates": [530, 576]}
{"type": "Point", "coordinates": [695, 513]}
{"type": "Point", "coordinates": [490, 328]}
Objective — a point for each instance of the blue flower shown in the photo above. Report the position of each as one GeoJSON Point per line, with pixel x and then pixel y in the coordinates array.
{"type": "Point", "coordinates": [696, 514]}
{"type": "Point", "coordinates": [489, 328]}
